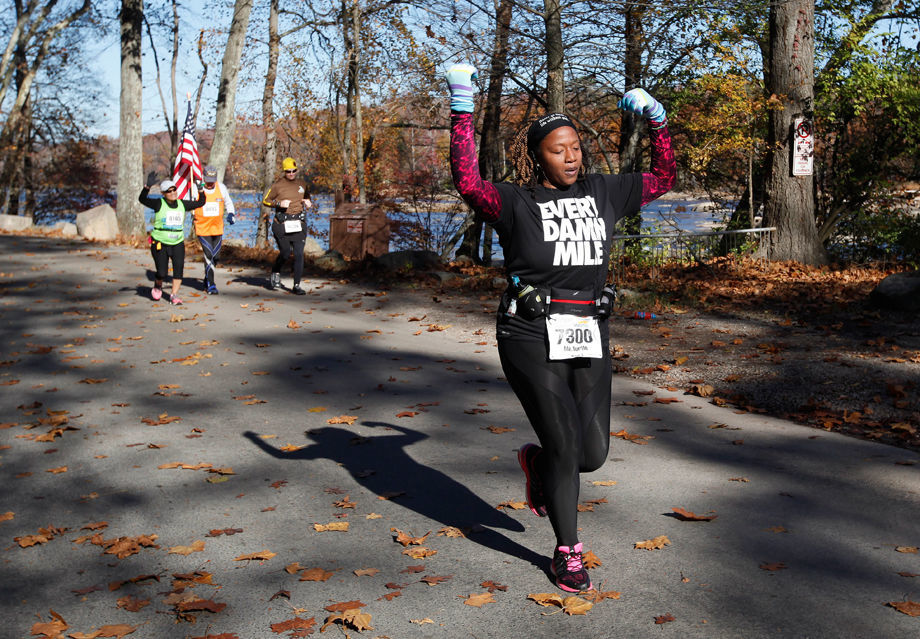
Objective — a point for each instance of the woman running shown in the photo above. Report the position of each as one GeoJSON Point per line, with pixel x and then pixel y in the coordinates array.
{"type": "Point", "coordinates": [167, 238]}
{"type": "Point", "coordinates": [555, 226]}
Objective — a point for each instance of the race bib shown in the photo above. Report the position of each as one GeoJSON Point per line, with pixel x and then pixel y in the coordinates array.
{"type": "Point", "coordinates": [174, 218]}
{"type": "Point", "coordinates": [572, 336]}
{"type": "Point", "coordinates": [211, 209]}
{"type": "Point", "coordinates": [292, 226]}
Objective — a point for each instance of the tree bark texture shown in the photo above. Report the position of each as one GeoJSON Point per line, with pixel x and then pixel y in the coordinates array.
{"type": "Point", "coordinates": [354, 81]}
{"type": "Point", "coordinates": [225, 117]}
{"type": "Point", "coordinates": [128, 210]}
{"type": "Point", "coordinates": [630, 125]}
{"type": "Point", "coordinates": [555, 77]}
{"type": "Point", "coordinates": [789, 203]}
{"type": "Point", "coordinates": [270, 148]}
{"type": "Point", "coordinates": [491, 156]}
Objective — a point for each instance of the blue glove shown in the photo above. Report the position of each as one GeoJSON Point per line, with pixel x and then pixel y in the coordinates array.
{"type": "Point", "coordinates": [230, 219]}
{"type": "Point", "coordinates": [460, 80]}
{"type": "Point", "coordinates": [638, 101]}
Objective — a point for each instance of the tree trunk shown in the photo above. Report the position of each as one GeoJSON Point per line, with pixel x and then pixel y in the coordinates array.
{"type": "Point", "coordinates": [225, 117]}
{"type": "Point", "coordinates": [630, 125]}
{"type": "Point", "coordinates": [555, 78]}
{"type": "Point", "coordinates": [128, 210]}
{"type": "Point", "coordinates": [347, 182]}
{"type": "Point", "coordinates": [491, 164]}
{"type": "Point", "coordinates": [269, 149]}
{"type": "Point", "coordinates": [355, 81]}
{"type": "Point", "coordinates": [789, 203]}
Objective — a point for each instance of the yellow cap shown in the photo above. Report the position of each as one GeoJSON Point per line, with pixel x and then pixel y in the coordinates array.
{"type": "Point", "coordinates": [288, 164]}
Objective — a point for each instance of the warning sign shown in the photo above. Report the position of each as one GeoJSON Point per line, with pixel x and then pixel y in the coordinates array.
{"type": "Point", "coordinates": [803, 147]}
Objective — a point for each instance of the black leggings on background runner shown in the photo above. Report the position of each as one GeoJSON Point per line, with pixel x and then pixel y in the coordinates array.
{"type": "Point", "coordinates": [287, 243]}
{"type": "Point", "coordinates": [568, 405]}
{"type": "Point", "coordinates": [162, 256]}
{"type": "Point", "coordinates": [210, 246]}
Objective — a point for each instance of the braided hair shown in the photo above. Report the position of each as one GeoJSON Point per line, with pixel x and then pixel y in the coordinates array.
{"type": "Point", "coordinates": [527, 170]}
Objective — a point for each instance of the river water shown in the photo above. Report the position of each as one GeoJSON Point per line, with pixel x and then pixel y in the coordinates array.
{"type": "Point", "coordinates": [676, 212]}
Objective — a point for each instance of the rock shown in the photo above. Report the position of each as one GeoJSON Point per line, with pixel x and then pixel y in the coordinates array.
{"type": "Point", "coordinates": [898, 291]}
{"type": "Point", "coordinates": [410, 260]}
{"type": "Point", "coordinates": [499, 283]}
{"type": "Point", "coordinates": [312, 248]}
{"type": "Point", "coordinates": [67, 229]}
{"type": "Point", "coordinates": [98, 223]}
{"type": "Point", "coordinates": [444, 276]}
{"type": "Point", "coordinates": [464, 260]}
{"type": "Point", "coordinates": [331, 261]}
{"type": "Point", "coordinates": [14, 222]}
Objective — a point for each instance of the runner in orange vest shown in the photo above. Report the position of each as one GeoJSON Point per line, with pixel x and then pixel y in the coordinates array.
{"type": "Point", "coordinates": [209, 223]}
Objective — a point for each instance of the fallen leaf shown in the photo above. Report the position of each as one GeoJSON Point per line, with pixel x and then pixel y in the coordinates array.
{"type": "Point", "coordinates": [352, 618]}
{"type": "Point", "coordinates": [478, 600]}
{"type": "Point", "coordinates": [664, 619]}
{"type": "Point", "coordinates": [419, 552]}
{"type": "Point", "coordinates": [336, 526]}
{"type": "Point", "coordinates": [131, 603]}
{"type": "Point", "coordinates": [773, 567]}
{"type": "Point", "coordinates": [196, 546]}
{"type": "Point", "coordinates": [406, 539]}
{"type": "Point", "coordinates": [342, 419]}
{"type": "Point", "coordinates": [911, 608]}
{"type": "Point", "coordinates": [315, 574]}
{"type": "Point", "coordinates": [421, 621]}
{"type": "Point", "coordinates": [263, 555]}
{"type": "Point", "coordinates": [686, 515]}
{"type": "Point", "coordinates": [907, 549]}
{"type": "Point", "coordinates": [297, 623]}
{"type": "Point", "coordinates": [366, 572]}
{"type": "Point", "coordinates": [655, 543]}
{"type": "Point", "coordinates": [434, 580]}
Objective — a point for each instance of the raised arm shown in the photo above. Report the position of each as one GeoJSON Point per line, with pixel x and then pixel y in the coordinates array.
{"type": "Point", "coordinates": [480, 195]}
{"type": "Point", "coordinates": [663, 169]}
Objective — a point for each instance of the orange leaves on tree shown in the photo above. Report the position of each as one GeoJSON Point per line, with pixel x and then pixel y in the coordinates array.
{"type": "Point", "coordinates": [656, 543]}
{"type": "Point", "coordinates": [686, 515]}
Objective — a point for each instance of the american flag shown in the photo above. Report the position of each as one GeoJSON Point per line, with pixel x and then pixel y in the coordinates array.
{"type": "Point", "coordinates": [187, 171]}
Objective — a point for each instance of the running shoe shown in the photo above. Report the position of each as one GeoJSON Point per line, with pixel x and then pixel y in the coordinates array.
{"type": "Point", "coordinates": [569, 569]}
{"type": "Point", "coordinates": [274, 282]}
{"type": "Point", "coordinates": [297, 290]}
{"type": "Point", "coordinates": [212, 289]}
{"type": "Point", "coordinates": [533, 487]}
{"type": "Point", "coordinates": [156, 293]}
{"type": "Point", "coordinates": [174, 300]}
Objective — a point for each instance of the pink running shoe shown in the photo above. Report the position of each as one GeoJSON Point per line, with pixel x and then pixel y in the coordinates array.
{"type": "Point", "coordinates": [569, 569]}
{"type": "Point", "coordinates": [174, 299]}
{"type": "Point", "coordinates": [156, 294]}
{"type": "Point", "coordinates": [533, 487]}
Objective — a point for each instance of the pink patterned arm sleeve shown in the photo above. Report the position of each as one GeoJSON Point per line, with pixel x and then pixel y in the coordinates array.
{"type": "Point", "coordinates": [663, 173]}
{"type": "Point", "coordinates": [482, 196]}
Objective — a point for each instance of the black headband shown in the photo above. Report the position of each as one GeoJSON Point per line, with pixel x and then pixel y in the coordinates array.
{"type": "Point", "coordinates": [542, 127]}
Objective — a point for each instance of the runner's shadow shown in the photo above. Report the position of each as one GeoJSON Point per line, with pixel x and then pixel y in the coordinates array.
{"type": "Point", "coordinates": [382, 465]}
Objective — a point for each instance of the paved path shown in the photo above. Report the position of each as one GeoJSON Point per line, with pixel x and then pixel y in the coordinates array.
{"type": "Point", "coordinates": [805, 542]}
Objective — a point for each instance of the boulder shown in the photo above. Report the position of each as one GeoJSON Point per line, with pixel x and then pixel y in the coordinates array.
{"type": "Point", "coordinates": [67, 229]}
{"type": "Point", "coordinates": [331, 261]}
{"type": "Point", "coordinates": [312, 248]}
{"type": "Point", "coordinates": [14, 222]}
{"type": "Point", "coordinates": [898, 291]}
{"type": "Point", "coordinates": [410, 260]}
{"type": "Point", "coordinates": [98, 223]}
{"type": "Point", "coordinates": [464, 260]}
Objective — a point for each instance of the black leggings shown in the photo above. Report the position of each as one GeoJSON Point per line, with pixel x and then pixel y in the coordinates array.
{"type": "Point", "coordinates": [210, 247]}
{"type": "Point", "coordinates": [286, 244]}
{"type": "Point", "coordinates": [568, 405]}
{"type": "Point", "coordinates": [162, 257]}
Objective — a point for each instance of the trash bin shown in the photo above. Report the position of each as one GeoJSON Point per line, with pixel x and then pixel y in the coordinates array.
{"type": "Point", "coordinates": [359, 230]}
